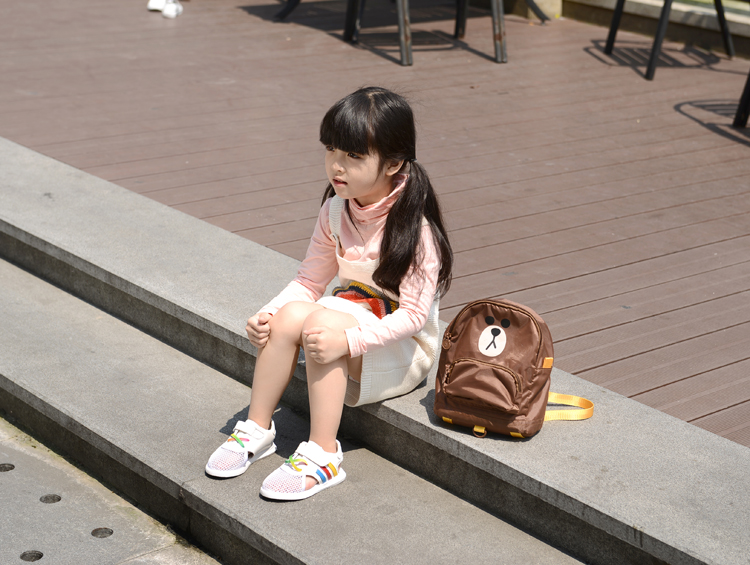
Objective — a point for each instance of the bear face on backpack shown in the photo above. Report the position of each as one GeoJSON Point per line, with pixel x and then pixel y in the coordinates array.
{"type": "Point", "coordinates": [494, 369]}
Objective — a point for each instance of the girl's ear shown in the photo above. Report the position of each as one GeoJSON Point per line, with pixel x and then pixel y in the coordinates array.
{"type": "Point", "coordinates": [393, 167]}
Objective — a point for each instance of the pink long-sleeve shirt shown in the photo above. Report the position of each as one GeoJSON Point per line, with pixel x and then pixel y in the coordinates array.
{"type": "Point", "coordinates": [360, 244]}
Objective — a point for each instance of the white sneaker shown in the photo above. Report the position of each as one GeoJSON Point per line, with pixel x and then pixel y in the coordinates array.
{"type": "Point", "coordinates": [156, 5]}
{"type": "Point", "coordinates": [172, 9]}
{"type": "Point", "coordinates": [288, 481]}
{"type": "Point", "coordinates": [248, 443]}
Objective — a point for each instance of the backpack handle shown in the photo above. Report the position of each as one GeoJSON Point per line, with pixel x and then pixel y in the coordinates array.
{"type": "Point", "coordinates": [569, 400]}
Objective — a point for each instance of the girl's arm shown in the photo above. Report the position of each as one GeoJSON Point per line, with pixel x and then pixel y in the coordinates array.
{"type": "Point", "coordinates": [315, 272]}
{"type": "Point", "coordinates": [416, 294]}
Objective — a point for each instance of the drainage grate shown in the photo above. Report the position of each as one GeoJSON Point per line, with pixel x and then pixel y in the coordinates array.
{"type": "Point", "coordinates": [31, 555]}
{"type": "Point", "coordinates": [6, 467]}
{"type": "Point", "coordinates": [50, 498]}
{"type": "Point", "coordinates": [102, 533]}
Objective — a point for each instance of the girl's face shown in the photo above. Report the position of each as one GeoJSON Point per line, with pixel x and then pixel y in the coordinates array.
{"type": "Point", "coordinates": [359, 177]}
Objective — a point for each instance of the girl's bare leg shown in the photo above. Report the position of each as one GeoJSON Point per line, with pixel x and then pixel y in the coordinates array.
{"type": "Point", "coordinates": [276, 361]}
{"type": "Point", "coordinates": [326, 383]}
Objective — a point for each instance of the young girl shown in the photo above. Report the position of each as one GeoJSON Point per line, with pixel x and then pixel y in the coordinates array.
{"type": "Point", "coordinates": [380, 229]}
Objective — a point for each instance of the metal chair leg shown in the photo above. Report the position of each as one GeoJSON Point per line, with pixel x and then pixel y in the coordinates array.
{"type": "Point", "coordinates": [404, 31]}
{"type": "Point", "coordinates": [725, 35]}
{"type": "Point", "coordinates": [352, 18]}
{"type": "Point", "coordinates": [460, 31]}
{"type": "Point", "coordinates": [661, 31]}
{"type": "Point", "coordinates": [616, 17]}
{"type": "Point", "coordinates": [498, 31]}
{"type": "Point", "coordinates": [743, 110]}
{"type": "Point", "coordinates": [358, 22]}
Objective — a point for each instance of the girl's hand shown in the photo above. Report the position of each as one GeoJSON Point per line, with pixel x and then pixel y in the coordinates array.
{"type": "Point", "coordinates": [258, 329]}
{"type": "Point", "coordinates": [324, 345]}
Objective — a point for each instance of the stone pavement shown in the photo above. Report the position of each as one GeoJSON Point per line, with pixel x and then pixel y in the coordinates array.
{"type": "Point", "coordinates": [54, 512]}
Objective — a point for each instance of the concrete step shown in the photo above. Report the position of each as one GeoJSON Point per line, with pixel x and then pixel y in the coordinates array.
{"type": "Point", "coordinates": [145, 417]}
{"type": "Point", "coordinates": [631, 485]}
{"type": "Point", "coordinates": [52, 510]}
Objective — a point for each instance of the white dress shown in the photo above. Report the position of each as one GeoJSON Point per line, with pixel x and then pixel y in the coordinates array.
{"type": "Point", "coordinates": [397, 368]}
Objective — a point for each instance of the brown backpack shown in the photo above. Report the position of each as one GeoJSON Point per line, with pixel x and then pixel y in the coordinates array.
{"type": "Point", "coordinates": [494, 371]}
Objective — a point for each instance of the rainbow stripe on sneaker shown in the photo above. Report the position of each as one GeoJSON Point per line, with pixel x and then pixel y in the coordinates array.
{"type": "Point", "coordinates": [329, 470]}
{"type": "Point", "coordinates": [325, 473]}
{"type": "Point", "coordinates": [355, 291]}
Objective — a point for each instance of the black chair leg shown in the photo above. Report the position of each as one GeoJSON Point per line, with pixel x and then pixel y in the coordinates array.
{"type": "Point", "coordinates": [358, 22]}
{"type": "Point", "coordinates": [288, 9]}
{"type": "Point", "coordinates": [616, 17]}
{"type": "Point", "coordinates": [352, 17]}
{"type": "Point", "coordinates": [498, 31]}
{"type": "Point", "coordinates": [460, 31]}
{"type": "Point", "coordinates": [743, 110]}
{"type": "Point", "coordinates": [354, 11]}
{"type": "Point", "coordinates": [725, 35]}
{"type": "Point", "coordinates": [404, 31]}
{"type": "Point", "coordinates": [661, 31]}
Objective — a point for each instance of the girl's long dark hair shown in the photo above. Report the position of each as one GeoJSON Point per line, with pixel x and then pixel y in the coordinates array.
{"type": "Point", "coordinates": [376, 121]}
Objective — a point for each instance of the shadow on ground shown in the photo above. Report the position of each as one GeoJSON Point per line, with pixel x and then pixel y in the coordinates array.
{"type": "Point", "coordinates": [635, 54]}
{"type": "Point", "coordinates": [329, 16]}
{"type": "Point", "coordinates": [716, 116]}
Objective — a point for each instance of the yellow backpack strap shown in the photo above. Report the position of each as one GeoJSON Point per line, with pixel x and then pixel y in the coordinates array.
{"type": "Point", "coordinates": [569, 400]}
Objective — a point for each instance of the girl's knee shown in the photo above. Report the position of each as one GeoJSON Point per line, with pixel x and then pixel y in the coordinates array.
{"type": "Point", "coordinates": [321, 317]}
{"type": "Point", "coordinates": [290, 319]}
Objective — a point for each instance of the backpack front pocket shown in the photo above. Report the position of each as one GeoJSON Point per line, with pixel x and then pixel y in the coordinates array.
{"type": "Point", "coordinates": [482, 384]}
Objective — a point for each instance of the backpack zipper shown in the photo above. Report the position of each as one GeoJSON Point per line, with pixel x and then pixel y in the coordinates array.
{"type": "Point", "coordinates": [453, 364]}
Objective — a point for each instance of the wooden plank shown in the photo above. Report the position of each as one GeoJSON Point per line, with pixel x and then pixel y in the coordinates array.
{"type": "Point", "coordinates": [163, 157]}
{"type": "Point", "coordinates": [610, 284]}
{"type": "Point", "coordinates": [625, 340]}
{"type": "Point", "coordinates": [702, 395]}
{"type": "Point", "coordinates": [652, 300]}
{"type": "Point", "coordinates": [562, 218]}
{"type": "Point", "coordinates": [518, 273]}
{"type": "Point", "coordinates": [234, 180]}
{"type": "Point", "coordinates": [268, 216]}
{"type": "Point", "coordinates": [217, 205]}
{"type": "Point", "coordinates": [528, 185]}
{"type": "Point", "coordinates": [649, 369]}
{"type": "Point", "coordinates": [276, 234]}
{"type": "Point", "coordinates": [296, 249]}
{"type": "Point", "coordinates": [732, 423]}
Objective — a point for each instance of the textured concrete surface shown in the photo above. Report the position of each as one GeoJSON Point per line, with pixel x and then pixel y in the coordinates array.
{"type": "Point", "coordinates": [631, 475]}
{"type": "Point", "coordinates": [53, 508]}
{"type": "Point", "coordinates": [163, 413]}
{"type": "Point", "coordinates": [673, 489]}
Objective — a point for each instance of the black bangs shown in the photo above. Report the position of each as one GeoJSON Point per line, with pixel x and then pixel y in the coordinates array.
{"type": "Point", "coordinates": [346, 126]}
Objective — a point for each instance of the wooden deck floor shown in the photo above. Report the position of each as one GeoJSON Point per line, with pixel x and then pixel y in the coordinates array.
{"type": "Point", "coordinates": [617, 208]}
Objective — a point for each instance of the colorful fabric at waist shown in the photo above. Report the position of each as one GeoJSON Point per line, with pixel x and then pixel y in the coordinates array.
{"type": "Point", "coordinates": [355, 291]}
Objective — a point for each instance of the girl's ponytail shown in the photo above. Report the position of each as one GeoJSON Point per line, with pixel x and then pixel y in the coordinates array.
{"type": "Point", "coordinates": [401, 249]}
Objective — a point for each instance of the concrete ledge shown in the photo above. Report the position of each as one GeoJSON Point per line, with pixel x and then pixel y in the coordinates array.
{"type": "Point", "coordinates": [631, 485]}
{"type": "Point", "coordinates": [145, 418]}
